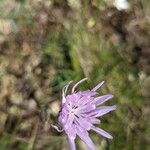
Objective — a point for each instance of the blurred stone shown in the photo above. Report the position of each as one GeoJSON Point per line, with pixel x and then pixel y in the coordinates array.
{"type": "Point", "coordinates": [25, 124]}
{"type": "Point", "coordinates": [142, 75]}
{"type": "Point", "coordinates": [16, 67]}
{"type": "Point", "coordinates": [39, 95]}
{"type": "Point", "coordinates": [35, 60]}
{"type": "Point", "coordinates": [16, 98]}
{"type": "Point", "coordinates": [38, 71]}
{"type": "Point", "coordinates": [14, 110]}
{"type": "Point", "coordinates": [5, 27]}
{"type": "Point", "coordinates": [131, 77]}
{"type": "Point", "coordinates": [121, 4]}
{"type": "Point", "coordinates": [32, 104]}
{"type": "Point", "coordinates": [90, 23]}
{"type": "Point", "coordinates": [55, 107]}
{"type": "Point", "coordinates": [75, 4]}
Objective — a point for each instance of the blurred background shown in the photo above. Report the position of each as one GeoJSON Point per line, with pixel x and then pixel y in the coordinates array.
{"type": "Point", "coordinates": [46, 43]}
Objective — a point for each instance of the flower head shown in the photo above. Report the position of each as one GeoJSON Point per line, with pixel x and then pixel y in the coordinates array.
{"type": "Point", "coordinates": [79, 114]}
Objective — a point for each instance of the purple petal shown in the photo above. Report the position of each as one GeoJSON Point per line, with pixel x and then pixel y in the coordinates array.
{"type": "Point", "coordinates": [86, 108]}
{"type": "Point", "coordinates": [102, 110]}
{"type": "Point", "coordinates": [94, 120]}
{"type": "Point", "coordinates": [88, 93]}
{"type": "Point", "coordinates": [72, 99]}
{"type": "Point", "coordinates": [102, 132]}
{"type": "Point", "coordinates": [62, 117]}
{"type": "Point", "coordinates": [86, 139]}
{"type": "Point", "coordinates": [71, 143]}
{"type": "Point", "coordinates": [83, 123]}
{"type": "Point", "coordinates": [102, 99]}
{"type": "Point", "coordinates": [86, 99]}
{"type": "Point", "coordinates": [98, 86]}
{"type": "Point", "coordinates": [69, 122]}
{"type": "Point", "coordinates": [71, 131]}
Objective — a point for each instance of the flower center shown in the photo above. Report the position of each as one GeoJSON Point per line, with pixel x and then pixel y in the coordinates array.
{"type": "Point", "coordinates": [74, 111]}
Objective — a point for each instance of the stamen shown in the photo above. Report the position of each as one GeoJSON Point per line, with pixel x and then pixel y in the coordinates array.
{"type": "Point", "coordinates": [64, 91]}
{"type": "Point", "coordinates": [56, 128]}
{"type": "Point", "coordinates": [73, 89]}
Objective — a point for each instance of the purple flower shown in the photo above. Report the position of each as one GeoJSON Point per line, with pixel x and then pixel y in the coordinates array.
{"type": "Point", "coordinates": [79, 114]}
